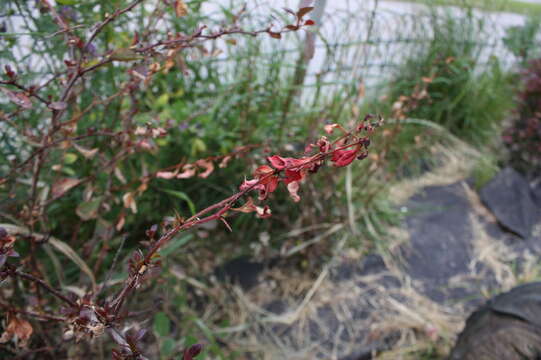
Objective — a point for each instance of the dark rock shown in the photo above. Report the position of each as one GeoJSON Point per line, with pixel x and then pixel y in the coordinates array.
{"type": "Point", "coordinates": [440, 238]}
{"type": "Point", "coordinates": [372, 264]}
{"type": "Point", "coordinates": [348, 268]}
{"type": "Point", "coordinates": [359, 355]}
{"type": "Point", "coordinates": [241, 271]}
{"type": "Point", "coordinates": [507, 327]}
{"type": "Point", "coordinates": [509, 197]}
{"type": "Point", "coordinates": [276, 307]}
{"type": "Point", "coordinates": [366, 352]}
{"type": "Point", "coordinates": [536, 192]}
{"type": "Point", "coordinates": [522, 302]}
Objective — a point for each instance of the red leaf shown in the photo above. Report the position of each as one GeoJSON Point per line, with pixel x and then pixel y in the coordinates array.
{"type": "Point", "coordinates": [9, 72]}
{"type": "Point", "coordinates": [324, 144]}
{"type": "Point", "coordinates": [249, 183]}
{"type": "Point", "coordinates": [292, 176]}
{"type": "Point", "coordinates": [304, 10]}
{"type": "Point", "coordinates": [263, 212]}
{"type": "Point", "coordinates": [344, 157]}
{"type": "Point", "coordinates": [309, 22]}
{"type": "Point", "coordinates": [262, 171]}
{"type": "Point", "coordinates": [279, 163]}
{"type": "Point", "coordinates": [275, 34]}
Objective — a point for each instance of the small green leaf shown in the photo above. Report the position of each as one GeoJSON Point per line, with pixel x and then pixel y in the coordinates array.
{"type": "Point", "coordinates": [198, 146]}
{"type": "Point", "coordinates": [68, 171]}
{"type": "Point", "coordinates": [124, 54]}
{"type": "Point", "coordinates": [70, 158]}
{"type": "Point", "coordinates": [67, 2]}
{"type": "Point", "coordinates": [162, 325]}
{"type": "Point", "coordinates": [162, 100]}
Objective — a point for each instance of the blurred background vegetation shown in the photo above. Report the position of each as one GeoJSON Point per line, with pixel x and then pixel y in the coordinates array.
{"type": "Point", "coordinates": [439, 75]}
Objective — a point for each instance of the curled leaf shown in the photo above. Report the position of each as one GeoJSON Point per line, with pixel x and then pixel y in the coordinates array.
{"type": "Point", "coordinates": [247, 207]}
{"type": "Point", "coordinates": [129, 202]}
{"type": "Point", "coordinates": [19, 329]}
{"type": "Point", "coordinates": [263, 212]}
{"type": "Point", "coordinates": [304, 10]}
{"type": "Point", "coordinates": [166, 174]}
{"type": "Point", "coordinates": [225, 161]}
{"type": "Point", "coordinates": [87, 153]}
{"type": "Point", "coordinates": [188, 171]}
{"type": "Point", "coordinates": [329, 128]}
{"type": "Point", "coordinates": [18, 98]}
{"type": "Point", "coordinates": [58, 105]}
{"type": "Point", "coordinates": [344, 157]}
{"type": "Point", "coordinates": [207, 165]}
{"type": "Point", "coordinates": [181, 9]}
{"type": "Point", "coordinates": [293, 188]}
{"type": "Point", "coordinates": [62, 186]}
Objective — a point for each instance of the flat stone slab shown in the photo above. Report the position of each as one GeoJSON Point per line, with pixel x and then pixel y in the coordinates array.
{"type": "Point", "coordinates": [509, 197]}
{"type": "Point", "coordinates": [440, 238]}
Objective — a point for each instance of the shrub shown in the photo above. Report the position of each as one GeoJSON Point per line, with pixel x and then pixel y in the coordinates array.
{"type": "Point", "coordinates": [523, 136]}
{"type": "Point", "coordinates": [96, 139]}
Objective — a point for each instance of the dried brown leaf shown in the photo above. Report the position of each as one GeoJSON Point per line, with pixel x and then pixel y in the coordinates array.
{"type": "Point", "coordinates": [129, 202]}
{"type": "Point", "coordinates": [62, 186]}
{"type": "Point", "coordinates": [58, 105]}
{"type": "Point", "coordinates": [304, 10]}
{"type": "Point", "coordinates": [19, 329]}
{"type": "Point", "coordinates": [87, 153]}
{"type": "Point", "coordinates": [18, 98]}
{"type": "Point", "coordinates": [181, 9]}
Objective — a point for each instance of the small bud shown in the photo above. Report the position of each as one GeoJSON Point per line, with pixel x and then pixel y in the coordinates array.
{"type": "Point", "coordinates": [152, 231]}
{"type": "Point", "coordinates": [9, 72]}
